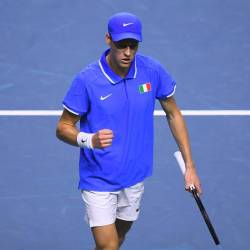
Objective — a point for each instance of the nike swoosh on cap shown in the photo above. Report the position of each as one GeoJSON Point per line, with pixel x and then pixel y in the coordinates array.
{"type": "Point", "coordinates": [126, 24]}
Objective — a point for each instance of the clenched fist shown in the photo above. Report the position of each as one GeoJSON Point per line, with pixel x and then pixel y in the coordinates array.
{"type": "Point", "coordinates": [103, 138]}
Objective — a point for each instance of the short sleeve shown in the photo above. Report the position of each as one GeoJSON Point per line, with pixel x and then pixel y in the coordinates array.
{"type": "Point", "coordinates": [77, 100]}
{"type": "Point", "coordinates": [166, 84]}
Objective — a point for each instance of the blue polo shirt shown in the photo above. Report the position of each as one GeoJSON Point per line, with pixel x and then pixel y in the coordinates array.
{"type": "Point", "coordinates": [104, 100]}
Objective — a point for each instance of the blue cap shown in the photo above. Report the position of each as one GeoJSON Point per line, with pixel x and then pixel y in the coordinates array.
{"type": "Point", "coordinates": [123, 26]}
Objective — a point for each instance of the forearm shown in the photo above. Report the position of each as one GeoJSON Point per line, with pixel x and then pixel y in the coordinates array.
{"type": "Point", "coordinates": [179, 130]}
{"type": "Point", "coordinates": [180, 133]}
{"type": "Point", "coordinates": [67, 133]}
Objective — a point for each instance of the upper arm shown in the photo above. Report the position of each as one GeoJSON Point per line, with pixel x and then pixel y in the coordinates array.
{"type": "Point", "coordinates": [68, 118]}
{"type": "Point", "coordinates": [66, 129]}
{"type": "Point", "coordinates": [169, 106]}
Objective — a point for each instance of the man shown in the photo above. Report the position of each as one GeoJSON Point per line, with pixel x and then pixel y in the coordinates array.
{"type": "Point", "coordinates": [114, 100]}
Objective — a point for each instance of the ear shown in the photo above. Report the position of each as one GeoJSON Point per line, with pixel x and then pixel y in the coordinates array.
{"type": "Point", "coordinates": [108, 39]}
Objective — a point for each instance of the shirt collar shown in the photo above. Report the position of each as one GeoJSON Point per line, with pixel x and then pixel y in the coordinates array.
{"type": "Point", "coordinates": [111, 75]}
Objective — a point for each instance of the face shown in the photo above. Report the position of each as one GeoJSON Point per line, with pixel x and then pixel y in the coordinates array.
{"type": "Point", "coordinates": [122, 52]}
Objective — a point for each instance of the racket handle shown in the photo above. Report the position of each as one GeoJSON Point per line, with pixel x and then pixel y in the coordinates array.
{"type": "Point", "coordinates": [181, 163]}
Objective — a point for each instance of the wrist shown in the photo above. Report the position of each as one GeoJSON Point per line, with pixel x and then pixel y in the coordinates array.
{"type": "Point", "coordinates": [84, 140]}
{"type": "Point", "coordinates": [190, 165]}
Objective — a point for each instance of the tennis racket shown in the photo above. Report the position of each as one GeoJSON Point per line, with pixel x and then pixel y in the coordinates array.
{"type": "Point", "coordinates": [181, 164]}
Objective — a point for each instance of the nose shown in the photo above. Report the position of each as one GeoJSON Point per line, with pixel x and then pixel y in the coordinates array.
{"type": "Point", "coordinates": [127, 51]}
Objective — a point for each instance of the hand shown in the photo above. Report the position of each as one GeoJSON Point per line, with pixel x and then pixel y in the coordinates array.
{"type": "Point", "coordinates": [192, 178]}
{"type": "Point", "coordinates": [103, 138]}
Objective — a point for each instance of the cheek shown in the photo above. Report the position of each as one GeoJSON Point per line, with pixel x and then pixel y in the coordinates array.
{"type": "Point", "coordinates": [134, 52]}
{"type": "Point", "coordinates": [117, 55]}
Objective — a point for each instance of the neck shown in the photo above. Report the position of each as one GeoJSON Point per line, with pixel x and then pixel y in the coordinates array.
{"type": "Point", "coordinates": [122, 72]}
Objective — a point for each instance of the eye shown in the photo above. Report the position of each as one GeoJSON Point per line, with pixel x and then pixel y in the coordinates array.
{"type": "Point", "coordinates": [126, 43]}
{"type": "Point", "coordinates": [120, 45]}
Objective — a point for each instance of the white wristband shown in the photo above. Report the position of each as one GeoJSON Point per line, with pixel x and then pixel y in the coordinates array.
{"type": "Point", "coordinates": [84, 140]}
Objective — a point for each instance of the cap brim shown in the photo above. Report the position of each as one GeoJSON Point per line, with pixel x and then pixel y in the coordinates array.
{"type": "Point", "coordinates": [121, 36]}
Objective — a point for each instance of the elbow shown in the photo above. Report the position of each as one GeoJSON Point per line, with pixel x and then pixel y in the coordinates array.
{"type": "Point", "coordinates": [170, 116]}
{"type": "Point", "coordinates": [173, 114]}
{"type": "Point", "coordinates": [59, 131]}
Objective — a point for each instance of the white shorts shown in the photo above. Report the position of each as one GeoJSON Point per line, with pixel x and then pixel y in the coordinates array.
{"type": "Point", "coordinates": [103, 208]}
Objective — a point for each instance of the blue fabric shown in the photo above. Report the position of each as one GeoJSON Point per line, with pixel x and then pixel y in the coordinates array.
{"type": "Point", "coordinates": [105, 100]}
{"type": "Point", "coordinates": [125, 25]}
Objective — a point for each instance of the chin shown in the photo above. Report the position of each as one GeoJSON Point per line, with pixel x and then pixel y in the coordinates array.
{"type": "Point", "coordinates": [125, 65]}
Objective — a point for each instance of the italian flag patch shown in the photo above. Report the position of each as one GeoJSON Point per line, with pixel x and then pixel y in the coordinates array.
{"type": "Point", "coordinates": [146, 87]}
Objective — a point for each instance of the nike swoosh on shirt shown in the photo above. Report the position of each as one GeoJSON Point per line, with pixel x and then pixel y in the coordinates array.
{"type": "Point", "coordinates": [126, 24]}
{"type": "Point", "coordinates": [102, 98]}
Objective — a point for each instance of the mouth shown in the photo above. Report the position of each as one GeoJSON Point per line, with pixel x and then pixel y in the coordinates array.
{"type": "Point", "coordinates": [126, 61]}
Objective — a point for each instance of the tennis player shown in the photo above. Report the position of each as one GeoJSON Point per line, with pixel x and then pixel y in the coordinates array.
{"type": "Point", "coordinates": [114, 99]}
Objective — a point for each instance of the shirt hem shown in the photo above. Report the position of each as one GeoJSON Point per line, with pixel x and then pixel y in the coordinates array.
{"type": "Point", "coordinates": [103, 189]}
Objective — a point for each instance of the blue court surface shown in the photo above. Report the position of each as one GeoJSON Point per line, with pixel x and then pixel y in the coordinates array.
{"type": "Point", "coordinates": [206, 47]}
